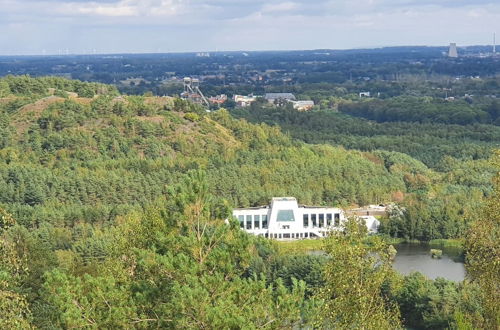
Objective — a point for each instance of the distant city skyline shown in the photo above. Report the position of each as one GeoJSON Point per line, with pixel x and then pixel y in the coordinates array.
{"type": "Point", "coordinates": [53, 27]}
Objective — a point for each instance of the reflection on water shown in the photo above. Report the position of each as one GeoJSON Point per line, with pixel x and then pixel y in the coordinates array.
{"type": "Point", "coordinates": [416, 258]}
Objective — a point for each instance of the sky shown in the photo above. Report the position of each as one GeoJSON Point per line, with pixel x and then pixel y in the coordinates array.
{"type": "Point", "coordinates": [160, 26]}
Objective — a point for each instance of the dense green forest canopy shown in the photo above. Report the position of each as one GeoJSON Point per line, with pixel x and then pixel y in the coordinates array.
{"type": "Point", "coordinates": [67, 158]}
{"type": "Point", "coordinates": [112, 212]}
{"type": "Point", "coordinates": [457, 155]}
{"type": "Point", "coordinates": [424, 110]}
{"type": "Point", "coordinates": [436, 144]}
{"type": "Point", "coordinates": [64, 155]}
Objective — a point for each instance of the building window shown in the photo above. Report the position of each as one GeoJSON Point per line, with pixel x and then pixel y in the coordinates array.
{"type": "Point", "coordinates": [285, 235]}
{"type": "Point", "coordinates": [313, 220]}
{"type": "Point", "coordinates": [279, 236]}
{"type": "Point", "coordinates": [264, 222]}
{"type": "Point", "coordinates": [256, 221]}
{"type": "Point", "coordinates": [306, 220]}
{"type": "Point", "coordinates": [307, 235]}
{"type": "Point", "coordinates": [321, 220]}
{"type": "Point", "coordinates": [329, 219]}
{"type": "Point", "coordinates": [337, 219]}
{"type": "Point", "coordinates": [249, 222]}
{"type": "Point", "coordinates": [241, 219]}
{"type": "Point", "coordinates": [285, 216]}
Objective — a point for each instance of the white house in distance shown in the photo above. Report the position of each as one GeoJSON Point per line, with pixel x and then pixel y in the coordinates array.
{"type": "Point", "coordinates": [303, 105]}
{"type": "Point", "coordinates": [271, 97]}
{"type": "Point", "coordinates": [244, 100]}
{"type": "Point", "coordinates": [285, 219]}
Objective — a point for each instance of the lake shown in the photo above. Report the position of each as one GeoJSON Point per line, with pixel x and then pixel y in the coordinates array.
{"type": "Point", "coordinates": [415, 257]}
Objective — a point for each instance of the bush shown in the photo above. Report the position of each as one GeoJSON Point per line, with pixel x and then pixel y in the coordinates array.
{"type": "Point", "coordinates": [192, 116]}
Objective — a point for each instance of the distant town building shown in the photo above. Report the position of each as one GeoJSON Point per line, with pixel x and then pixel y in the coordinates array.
{"type": "Point", "coordinates": [364, 94]}
{"type": "Point", "coordinates": [219, 99]}
{"type": "Point", "coordinates": [272, 97]}
{"type": "Point", "coordinates": [303, 105]}
{"type": "Point", "coordinates": [453, 53]}
{"type": "Point", "coordinates": [494, 43]}
{"type": "Point", "coordinates": [244, 100]}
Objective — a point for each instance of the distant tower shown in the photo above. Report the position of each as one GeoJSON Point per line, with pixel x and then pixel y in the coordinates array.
{"type": "Point", "coordinates": [453, 53]}
{"type": "Point", "coordinates": [494, 43]}
{"type": "Point", "coordinates": [193, 92]}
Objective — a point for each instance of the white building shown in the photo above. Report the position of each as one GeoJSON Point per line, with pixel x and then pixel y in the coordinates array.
{"type": "Point", "coordinates": [303, 105]}
{"type": "Point", "coordinates": [272, 97]}
{"type": "Point", "coordinates": [452, 52]}
{"type": "Point", "coordinates": [371, 222]}
{"type": "Point", "coordinates": [285, 219]}
{"type": "Point", "coordinates": [243, 100]}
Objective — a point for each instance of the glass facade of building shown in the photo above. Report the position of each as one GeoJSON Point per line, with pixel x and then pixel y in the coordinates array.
{"type": "Point", "coordinates": [285, 216]}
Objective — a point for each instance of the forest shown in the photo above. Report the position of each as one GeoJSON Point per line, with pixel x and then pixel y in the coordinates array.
{"type": "Point", "coordinates": [112, 212]}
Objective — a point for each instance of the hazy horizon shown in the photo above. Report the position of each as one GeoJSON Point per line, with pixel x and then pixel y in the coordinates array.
{"type": "Point", "coordinates": [211, 52]}
{"type": "Point", "coordinates": [57, 27]}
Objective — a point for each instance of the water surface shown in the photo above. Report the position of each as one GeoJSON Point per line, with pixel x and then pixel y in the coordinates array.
{"type": "Point", "coordinates": [416, 258]}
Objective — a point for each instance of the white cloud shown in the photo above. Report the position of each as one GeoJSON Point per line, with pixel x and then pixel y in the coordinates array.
{"type": "Point", "coordinates": [280, 7]}
{"type": "Point", "coordinates": [114, 11]}
{"type": "Point", "coordinates": [143, 8]}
